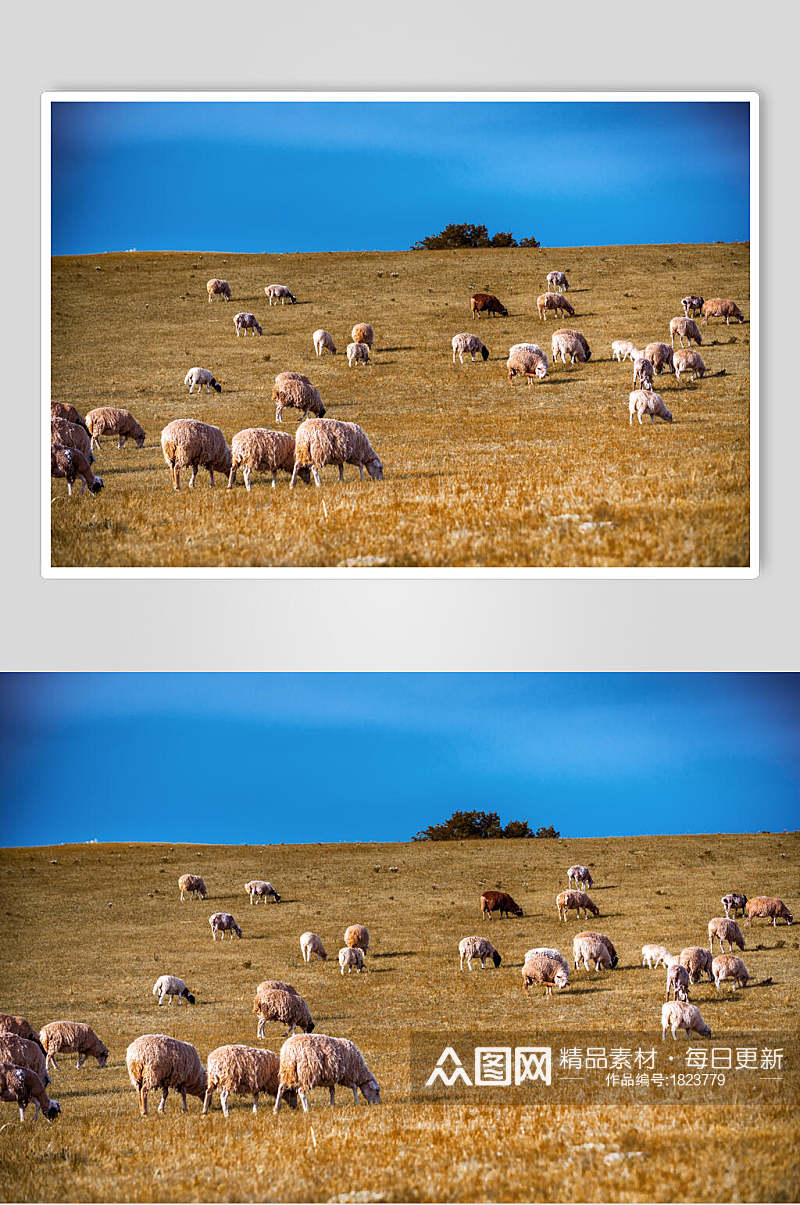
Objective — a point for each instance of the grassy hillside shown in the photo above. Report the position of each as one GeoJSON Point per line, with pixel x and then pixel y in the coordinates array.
{"type": "Point", "coordinates": [478, 473]}
{"type": "Point", "coordinates": [89, 928]}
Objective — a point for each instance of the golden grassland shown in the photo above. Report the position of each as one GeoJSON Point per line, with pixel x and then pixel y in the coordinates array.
{"type": "Point", "coordinates": [478, 473]}
{"type": "Point", "coordinates": [88, 928]}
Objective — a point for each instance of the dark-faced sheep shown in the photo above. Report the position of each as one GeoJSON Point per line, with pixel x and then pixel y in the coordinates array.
{"type": "Point", "coordinates": [71, 464]}
{"type": "Point", "coordinates": [218, 288]}
{"type": "Point", "coordinates": [486, 303]}
{"type": "Point", "coordinates": [769, 907]}
{"type": "Point", "coordinates": [721, 307]}
{"type": "Point", "coordinates": [499, 901]}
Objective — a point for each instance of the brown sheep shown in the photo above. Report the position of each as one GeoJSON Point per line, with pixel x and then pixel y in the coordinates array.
{"type": "Point", "coordinates": [499, 901]}
{"type": "Point", "coordinates": [555, 302]}
{"type": "Point", "coordinates": [767, 906]}
{"type": "Point", "coordinates": [721, 307]}
{"type": "Point", "coordinates": [486, 303]}
{"type": "Point", "coordinates": [578, 900]}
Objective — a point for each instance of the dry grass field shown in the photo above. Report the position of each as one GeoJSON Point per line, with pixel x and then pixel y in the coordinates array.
{"type": "Point", "coordinates": [478, 473]}
{"type": "Point", "coordinates": [87, 929]}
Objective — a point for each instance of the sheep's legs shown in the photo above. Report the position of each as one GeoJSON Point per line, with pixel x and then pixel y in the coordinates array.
{"type": "Point", "coordinates": [81, 1060]}
{"type": "Point", "coordinates": [341, 472]}
{"type": "Point", "coordinates": [274, 484]}
{"type": "Point", "coordinates": [164, 1094]}
{"type": "Point", "coordinates": [315, 475]}
{"type": "Point", "coordinates": [193, 477]}
{"type": "Point", "coordinates": [255, 1102]}
{"type": "Point", "coordinates": [246, 475]}
{"type": "Point", "coordinates": [223, 1100]}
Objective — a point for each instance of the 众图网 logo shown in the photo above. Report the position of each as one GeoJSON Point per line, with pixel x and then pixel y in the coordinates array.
{"type": "Point", "coordinates": [494, 1067]}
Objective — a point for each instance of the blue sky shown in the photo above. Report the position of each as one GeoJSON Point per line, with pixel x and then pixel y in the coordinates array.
{"type": "Point", "coordinates": [265, 758]}
{"type": "Point", "coordinates": [324, 176]}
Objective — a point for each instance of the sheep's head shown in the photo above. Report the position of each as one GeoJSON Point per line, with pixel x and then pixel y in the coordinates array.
{"type": "Point", "coordinates": [216, 385]}
{"type": "Point", "coordinates": [310, 1027]}
{"type": "Point", "coordinates": [187, 995]}
{"type": "Point", "coordinates": [305, 476]}
{"type": "Point", "coordinates": [485, 353]}
{"type": "Point", "coordinates": [321, 412]}
{"type": "Point", "coordinates": [561, 979]}
{"type": "Point", "coordinates": [496, 959]}
{"type": "Point", "coordinates": [518, 911]}
{"type": "Point", "coordinates": [140, 440]}
{"type": "Point", "coordinates": [371, 1092]}
{"type": "Point", "coordinates": [503, 311]}
{"type": "Point", "coordinates": [703, 1030]}
{"type": "Point", "coordinates": [96, 485]}
{"type": "Point", "coordinates": [375, 469]}
{"type": "Point", "coordinates": [541, 371]}
{"type": "Point", "coordinates": [52, 1111]}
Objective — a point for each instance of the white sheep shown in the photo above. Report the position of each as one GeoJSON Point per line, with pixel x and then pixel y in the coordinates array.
{"type": "Point", "coordinates": [696, 960]}
{"type": "Point", "coordinates": [645, 401]}
{"type": "Point", "coordinates": [323, 341]}
{"type": "Point", "coordinates": [362, 332]}
{"type": "Point", "coordinates": [310, 944]}
{"type": "Point", "coordinates": [242, 1071]}
{"type": "Point", "coordinates": [282, 1004]}
{"type": "Point", "coordinates": [257, 449]}
{"type": "Point", "coordinates": [357, 353]}
{"type": "Point", "coordinates": [725, 929]}
{"type": "Point", "coordinates": [623, 349]}
{"type": "Point", "coordinates": [260, 889]}
{"type": "Point", "coordinates": [245, 322]}
{"type": "Point", "coordinates": [70, 464]}
{"type": "Point", "coordinates": [192, 886]}
{"type": "Point", "coordinates": [558, 282]}
{"type": "Point", "coordinates": [171, 985]}
{"type": "Point", "coordinates": [279, 293]}
{"type": "Point", "coordinates": [729, 966]}
{"type": "Point", "coordinates": [569, 343]}
{"type": "Point", "coordinates": [218, 288]}
{"type": "Point", "coordinates": [684, 328]}
{"type": "Point", "coordinates": [691, 305]}
{"type": "Point", "coordinates": [189, 443]}
{"type": "Point", "coordinates": [527, 360]}
{"type": "Point", "coordinates": [642, 373]}
{"type": "Point", "coordinates": [580, 875]}
{"type": "Point", "coordinates": [655, 956]}
{"type": "Point", "coordinates": [477, 947]}
{"type": "Point", "coordinates": [351, 957]}
{"type": "Point", "coordinates": [222, 923]}
{"type": "Point", "coordinates": [328, 441]}
{"type": "Point", "coordinates": [317, 1061]}
{"type": "Point", "coordinates": [593, 947]}
{"type": "Point", "coordinates": [734, 903]}
{"type": "Point", "coordinates": [688, 360]}
{"type": "Point", "coordinates": [21, 1085]}
{"type": "Point", "coordinates": [113, 420]}
{"type": "Point", "coordinates": [579, 900]}
{"type": "Point", "coordinates": [678, 1014]}
{"type": "Point", "coordinates": [677, 980]}
{"type": "Point", "coordinates": [467, 344]}
{"type": "Point", "coordinates": [660, 356]}
{"type": "Point", "coordinates": [555, 302]}
{"type": "Point", "coordinates": [157, 1061]}
{"type": "Point", "coordinates": [200, 377]}
{"type": "Point", "coordinates": [545, 966]}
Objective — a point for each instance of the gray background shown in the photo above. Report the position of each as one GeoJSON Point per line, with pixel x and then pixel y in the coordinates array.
{"type": "Point", "coordinates": [399, 624]}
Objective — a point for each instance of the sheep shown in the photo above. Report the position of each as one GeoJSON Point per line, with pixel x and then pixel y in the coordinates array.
{"type": "Point", "coordinates": [222, 923]}
{"type": "Point", "coordinates": [581, 875]}
{"type": "Point", "coordinates": [64, 410]}
{"type": "Point", "coordinates": [660, 356]}
{"type": "Point", "coordinates": [156, 1061]}
{"type": "Point", "coordinates": [317, 1061]}
{"type": "Point", "coordinates": [486, 303]}
{"type": "Point", "coordinates": [286, 1007]}
{"type": "Point", "coordinates": [171, 985]}
{"type": "Point", "coordinates": [112, 420]}
{"type": "Point", "coordinates": [695, 960]}
{"type": "Point", "coordinates": [70, 435]}
{"type": "Point", "coordinates": [734, 903]}
{"type": "Point", "coordinates": [245, 322]}
{"type": "Point", "coordinates": [558, 281]}
{"type": "Point", "coordinates": [655, 956]}
{"type": "Point", "coordinates": [70, 464]}
{"type": "Point", "coordinates": [280, 293]}
{"type": "Point", "coordinates": [324, 441]}
{"type": "Point", "coordinates": [21, 1027]}
{"type": "Point", "coordinates": [499, 901]}
{"type": "Point", "coordinates": [477, 947]}
{"type": "Point", "coordinates": [691, 305]}
{"type": "Point", "coordinates": [642, 373]}
{"type": "Point", "coordinates": [323, 341]}
{"type": "Point", "coordinates": [644, 401]}
{"type": "Point", "coordinates": [579, 335]}
{"type": "Point", "coordinates": [357, 353]}
{"type": "Point", "coordinates": [767, 906]}
{"type": "Point", "coordinates": [623, 349]}
{"type": "Point", "coordinates": [688, 360]}
{"type": "Point", "coordinates": [729, 966]}
{"type": "Point", "coordinates": [592, 947]}
{"type": "Point", "coordinates": [547, 967]}
{"type": "Point", "coordinates": [684, 328]}
{"type": "Point", "coordinates": [260, 889]}
{"type": "Point", "coordinates": [24, 1053]}
{"type": "Point", "coordinates": [187, 442]}
{"type": "Point", "coordinates": [295, 390]}
{"type": "Point", "coordinates": [349, 957]}
{"type": "Point", "coordinates": [192, 886]}
{"type": "Point", "coordinates": [310, 944]}
{"type": "Point", "coordinates": [678, 1014]}
{"type": "Point", "coordinates": [568, 343]}
{"type": "Point", "coordinates": [677, 981]}
{"type": "Point", "coordinates": [242, 1070]}
{"type": "Point", "coordinates": [218, 288]}
{"type": "Point", "coordinates": [357, 937]}
{"type": "Point", "coordinates": [578, 900]}
{"type": "Point", "coordinates": [259, 449]}
{"type": "Point", "coordinates": [470, 344]}
{"type": "Point", "coordinates": [592, 935]}
{"type": "Point", "coordinates": [528, 360]}
{"type": "Point", "coordinates": [21, 1085]}
{"type": "Point", "coordinates": [724, 929]}
{"type": "Point", "coordinates": [72, 1037]}
{"type": "Point", "coordinates": [721, 307]}
{"type": "Point", "coordinates": [200, 377]}
{"type": "Point", "coordinates": [362, 332]}
{"type": "Point", "coordinates": [555, 302]}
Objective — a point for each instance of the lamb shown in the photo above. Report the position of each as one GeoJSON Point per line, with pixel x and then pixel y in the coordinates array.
{"type": "Point", "coordinates": [767, 906]}
{"type": "Point", "coordinates": [678, 1014]}
{"type": "Point", "coordinates": [70, 435]}
{"type": "Point", "coordinates": [655, 956]}
{"type": "Point", "coordinates": [324, 441]}
{"type": "Point", "coordinates": [64, 410]}
{"type": "Point", "coordinates": [555, 302]}
{"type": "Point", "coordinates": [547, 967]}
{"type": "Point", "coordinates": [260, 889]}
{"type": "Point", "coordinates": [660, 356]}
{"type": "Point", "coordinates": [222, 923]}
{"type": "Point", "coordinates": [310, 944]}
{"type": "Point", "coordinates": [201, 377]}
{"type": "Point", "coordinates": [286, 1007]}
{"type": "Point", "coordinates": [580, 875]}
{"type": "Point", "coordinates": [156, 1061]}
{"type": "Point", "coordinates": [578, 900]}
{"type": "Point", "coordinates": [295, 390]}
{"type": "Point", "coordinates": [218, 288]}
{"type": "Point", "coordinates": [362, 332]}
{"type": "Point", "coordinates": [486, 303]}
{"type": "Point", "coordinates": [644, 401]}
{"type": "Point", "coordinates": [729, 966]}
{"type": "Point", "coordinates": [499, 901]}
{"type": "Point", "coordinates": [21, 1027]}
{"type": "Point", "coordinates": [527, 360]}
{"type": "Point", "coordinates": [317, 1061]}
{"type": "Point", "coordinates": [469, 344]}
{"type": "Point", "coordinates": [257, 449]}
{"type": "Point", "coordinates": [724, 929]}
{"type": "Point", "coordinates": [280, 293]}
{"type": "Point", "coordinates": [171, 985]}
{"type": "Point", "coordinates": [677, 981]}
{"type": "Point", "coordinates": [192, 886]}
{"type": "Point", "coordinates": [569, 343]}
{"type": "Point", "coordinates": [22, 1085]}
{"type": "Point", "coordinates": [477, 947]}
{"type": "Point", "coordinates": [24, 1053]}
{"type": "Point", "coordinates": [688, 360]}
{"type": "Point", "coordinates": [721, 307]}
{"type": "Point", "coordinates": [691, 305]}
{"type": "Point", "coordinates": [623, 349]}
{"type": "Point", "coordinates": [70, 464]}
{"type": "Point", "coordinates": [245, 322]}
{"type": "Point", "coordinates": [684, 328]}
{"type": "Point", "coordinates": [72, 1037]}
{"type": "Point", "coordinates": [695, 960]}
{"type": "Point", "coordinates": [734, 903]}
{"type": "Point", "coordinates": [558, 281]}
{"type": "Point", "coordinates": [112, 420]}
{"type": "Point", "coordinates": [323, 341]}
{"type": "Point", "coordinates": [593, 947]}
{"type": "Point", "coordinates": [357, 937]}
{"type": "Point", "coordinates": [187, 442]}
{"type": "Point", "coordinates": [357, 353]}
{"type": "Point", "coordinates": [242, 1070]}
{"type": "Point", "coordinates": [642, 373]}
{"type": "Point", "coordinates": [349, 957]}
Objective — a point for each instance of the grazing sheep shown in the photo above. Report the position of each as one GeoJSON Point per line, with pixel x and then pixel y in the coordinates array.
{"type": "Point", "coordinates": [642, 373]}
{"type": "Point", "coordinates": [192, 886]}
{"type": "Point", "coordinates": [655, 956]}
{"type": "Point", "coordinates": [243, 1071]}
{"type": "Point", "coordinates": [767, 906]}
{"type": "Point", "coordinates": [499, 901]}
{"type": "Point", "coordinates": [24, 1053]}
{"type": "Point", "coordinates": [72, 1037]}
{"type": "Point", "coordinates": [310, 944]}
{"type": "Point", "coordinates": [20, 1027]}
{"type": "Point", "coordinates": [623, 349]}
{"type": "Point", "coordinates": [349, 957]}
{"type": "Point", "coordinates": [579, 335]}
{"type": "Point", "coordinates": [218, 288]}
{"type": "Point", "coordinates": [323, 341]}
{"type": "Point", "coordinates": [486, 303]}
{"type": "Point", "coordinates": [684, 328]}
{"type": "Point", "coordinates": [555, 302]}
{"type": "Point", "coordinates": [677, 981]}
{"type": "Point", "coordinates": [317, 1061]}
{"type": "Point", "coordinates": [171, 985]}
{"type": "Point", "coordinates": [70, 435]}
{"type": "Point", "coordinates": [644, 401]}
{"type": "Point", "coordinates": [260, 889]}
{"type": "Point", "coordinates": [580, 875]}
{"type": "Point", "coordinates": [156, 1061]}
{"type": "Point", "coordinates": [282, 1006]}
{"type": "Point", "coordinates": [477, 947]}
{"type": "Point", "coordinates": [64, 410]}
{"type": "Point", "coordinates": [357, 937]}
{"type": "Point", "coordinates": [324, 441]}
{"type": "Point", "coordinates": [526, 360]}
{"type": "Point", "coordinates": [721, 307]}
{"type": "Point", "coordinates": [469, 344]}
{"type": "Point", "coordinates": [362, 332]}
{"type": "Point", "coordinates": [279, 293]}
{"type": "Point", "coordinates": [257, 449]}
{"type": "Point", "coordinates": [295, 390]}
{"type": "Point", "coordinates": [21, 1085]}
{"type": "Point", "coordinates": [677, 1014]}
{"type": "Point", "coordinates": [222, 923]}
{"type": "Point", "coordinates": [691, 305]}
{"type": "Point", "coordinates": [547, 967]}
{"type": "Point", "coordinates": [734, 903]}
{"type": "Point", "coordinates": [660, 356]}
{"type": "Point", "coordinates": [275, 985]}
{"type": "Point", "coordinates": [688, 360]}
{"type": "Point", "coordinates": [112, 420]}
{"type": "Point", "coordinates": [568, 343]}
{"type": "Point", "coordinates": [187, 442]}
{"type": "Point", "coordinates": [578, 900]}
{"type": "Point", "coordinates": [357, 353]}
{"type": "Point", "coordinates": [729, 966]}
{"type": "Point", "coordinates": [558, 281]}
{"type": "Point", "coordinates": [245, 322]}
{"type": "Point", "coordinates": [201, 377]}
{"type": "Point", "coordinates": [724, 929]}
{"type": "Point", "coordinates": [593, 947]}
{"type": "Point", "coordinates": [695, 960]}
{"type": "Point", "coordinates": [70, 464]}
